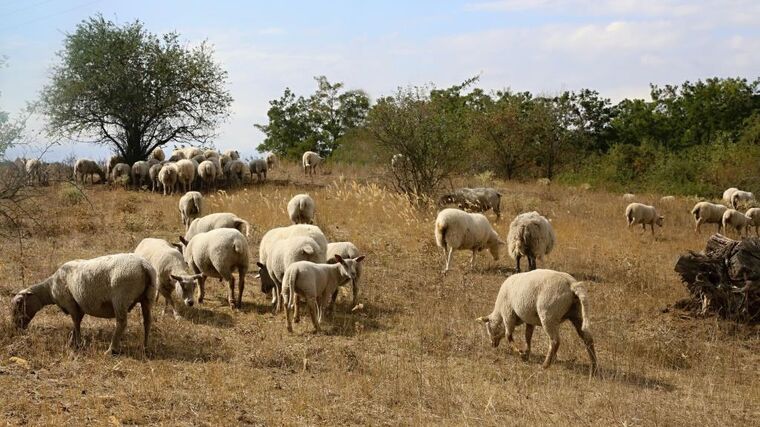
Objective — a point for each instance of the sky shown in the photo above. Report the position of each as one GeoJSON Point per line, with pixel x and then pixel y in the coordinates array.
{"type": "Point", "coordinates": [617, 47]}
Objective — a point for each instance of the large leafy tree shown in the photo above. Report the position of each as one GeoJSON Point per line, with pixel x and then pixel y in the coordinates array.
{"type": "Point", "coordinates": [316, 123]}
{"type": "Point", "coordinates": [134, 90]}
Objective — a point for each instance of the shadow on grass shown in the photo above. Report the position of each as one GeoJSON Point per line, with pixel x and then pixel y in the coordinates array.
{"type": "Point", "coordinates": [199, 315]}
{"type": "Point", "coordinates": [615, 375]}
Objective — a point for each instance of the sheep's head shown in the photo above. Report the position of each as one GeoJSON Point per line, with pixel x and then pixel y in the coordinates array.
{"type": "Point", "coordinates": [348, 266]}
{"type": "Point", "coordinates": [660, 220]}
{"type": "Point", "coordinates": [185, 286]}
{"type": "Point", "coordinates": [266, 282]}
{"type": "Point", "coordinates": [23, 308]}
{"type": "Point", "coordinates": [493, 247]}
{"type": "Point", "coordinates": [495, 329]}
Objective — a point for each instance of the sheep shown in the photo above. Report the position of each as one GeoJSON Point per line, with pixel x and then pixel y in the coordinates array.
{"type": "Point", "coordinates": [153, 173]}
{"type": "Point", "coordinates": [121, 172]}
{"type": "Point", "coordinates": [87, 167]}
{"type": "Point", "coordinates": [281, 254]}
{"type": "Point", "coordinates": [140, 173]}
{"type": "Point", "coordinates": [628, 197]}
{"type": "Point", "coordinates": [207, 174]}
{"type": "Point", "coordinates": [169, 176]}
{"type": "Point", "coordinates": [223, 160]}
{"type": "Point", "coordinates": [217, 220]}
{"type": "Point", "coordinates": [34, 170]}
{"type": "Point", "coordinates": [266, 274]}
{"type": "Point", "coordinates": [706, 213]}
{"type": "Point", "coordinates": [543, 298]}
{"type": "Point", "coordinates": [218, 253]}
{"type": "Point", "coordinates": [474, 199]}
{"type": "Point", "coordinates": [190, 207]}
{"type": "Point", "coordinates": [754, 215]}
{"type": "Point", "coordinates": [113, 161]}
{"type": "Point", "coordinates": [740, 196]}
{"type": "Point", "coordinates": [728, 193]}
{"type": "Point", "coordinates": [177, 155]}
{"type": "Point", "coordinates": [315, 283]}
{"type": "Point", "coordinates": [544, 181]}
{"type": "Point", "coordinates": [310, 162]}
{"type": "Point", "coordinates": [219, 169]}
{"type": "Point", "coordinates": [199, 159]}
{"type": "Point", "coordinates": [171, 272]}
{"type": "Point", "coordinates": [345, 250]}
{"type": "Point", "coordinates": [191, 152]}
{"type": "Point", "coordinates": [232, 154]}
{"type": "Point", "coordinates": [259, 167]}
{"type": "Point", "coordinates": [185, 174]}
{"type": "Point", "coordinates": [234, 171]}
{"type": "Point", "coordinates": [301, 209]}
{"type": "Point", "coordinates": [530, 235]}
{"type": "Point", "coordinates": [211, 154]}
{"type": "Point", "coordinates": [737, 220]}
{"type": "Point", "coordinates": [667, 199]}
{"type": "Point", "coordinates": [106, 287]}
{"type": "Point", "coordinates": [638, 213]}
{"type": "Point", "coordinates": [271, 160]}
{"type": "Point", "coordinates": [459, 230]}
{"type": "Point", "coordinates": [157, 154]}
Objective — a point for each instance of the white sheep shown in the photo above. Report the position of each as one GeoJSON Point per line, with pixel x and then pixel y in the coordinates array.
{"type": "Point", "coordinates": [639, 213]}
{"type": "Point", "coordinates": [754, 215]}
{"type": "Point", "coordinates": [86, 167]}
{"type": "Point", "coordinates": [211, 154]}
{"type": "Point", "coordinates": [739, 196]}
{"type": "Point", "coordinates": [736, 220]}
{"type": "Point", "coordinates": [190, 207]}
{"type": "Point", "coordinates": [301, 209]}
{"type": "Point", "coordinates": [121, 172]}
{"type": "Point", "coordinates": [207, 174]}
{"type": "Point", "coordinates": [271, 160]}
{"type": "Point", "coordinates": [113, 161]}
{"type": "Point", "coordinates": [217, 220]}
{"type": "Point", "coordinates": [35, 170]}
{"type": "Point", "coordinates": [310, 162]}
{"type": "Point", "coordinates": [459, 230]}
{"type": "Point", "coordinates": [157, 154]}
{"type": "Point", "coordinates": [232, 154]}
{"type": "Point", "coordinates": [258, 167]}
{"type": "Point", "coordinates": [234, 171]}
{"type": "Point", "coordinates": [185, 174]}
{"type": "Point", "coordinates": [543, 298]}
{"type": "Point", "coordinates": [281, 254]}
{"type": "Point", "coordinates": [219, 253]}
{"type": "Point", "coordinates": [728, 194]}
{"type": "Point", "coordinates": [628, 197]}
{"type": "Point", "coordinates": [140, 173]}
{"type": "Point", "coordinates": [169, 176]}
{"type": "Point", "coordinates": [171, 272]}
{"type": "Point", "coordinates": [223, 160]}
{"type": "Point", "coordinates": [153, 173]}
{"type": "Point", "coordinates": [544, 181]}
{"type": "Point", "coordinates": [667, 199]}
{"type": "Point", "coordinates": [708, 213]}
{"type": "Point", "coordinates": [346, 250]}
{"type": "Point", "coordinates": [316, 284]}
{"type": "Point", "coordinates": [479, 199]}
{"type": "Point", "coordinates": [191, 152]}
{"type": "Point", "coordinates": [177, 155]}
{"type": "Point", "coordinates": [530, 235]}
{"type": "Point", "coordinates": [106, 287]}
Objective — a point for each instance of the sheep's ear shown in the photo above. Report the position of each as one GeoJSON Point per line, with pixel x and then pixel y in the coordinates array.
{"type": "Point", "coordinates": [260, 264]}
{"type": "Point", "coordinates": [359, 259]}
{"type": "Point", "coordinates": [182, 239]}
{"type": "Point", "coordinates": [483, 319]}
{"type": "Point", "coordinates": [339, 259]}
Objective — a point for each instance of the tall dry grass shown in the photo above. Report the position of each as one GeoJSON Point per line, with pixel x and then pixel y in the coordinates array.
{"type": "Point", "coordinates": [414, 355]}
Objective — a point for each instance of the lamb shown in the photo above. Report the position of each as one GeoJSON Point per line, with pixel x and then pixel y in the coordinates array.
{"type": "Point", "coordinates": [219, 253]}
{"type": "Point", "coordinates": [301, 209]}
{"type": "Point", "coordinates": [185, 174]}
{"type": "Point", "coordinates": [259, 167]}
{"type": "Point", "coordinates": [543, 298]}
{"type": "Point", "coordinates": [281, 254]}
{"type": "Point", "coordinates": [157, 154]}
{"type": "Point", "coordinates": [474, 199]}
{"type": "Point", "coordinates": [754, 215]}
{"type": "Point", "coordinates": [232, 154]}
{"type": "Point", "coordinates": [153, 173]}
{"type": "Point", "coordinates": [638, 213]}
{"type": "Point", "coordinates": [207, 174]}
{"type": "Point", "coordinates": [271, 160]}
{"type": "Point", "coordinates": [708, 213]}
{"type": "Point", "coordinates": [106, 287]}
{"type": "Point", "coordinates": [315, 283]}
{"type": "Point", "coordinates": [234, 171]}
{"type": "Point", "coordinates": [171, 272]}
{"type": "Point", "coordinates": [530, 235]}
{"type": "Point", "coordinates": [214, 221]}
{"type": "Point", "coordinates": [169, 175]}
{"type": "Point", "coordinates": [346, 250]}
{"type": "Point", "coordinates": [459, 230]}
{"type": "Point", "coordinates": [190, 207]}
{"type": "Point", "coordinates": [310, 162]}
{"type": "Point", "coordinates": [87, 167]}
{"type": "Point", "coordinates": [121, 172]}
{"type": "Point", "coordinates": [737, 220]}
{"type": "Point", "coordinates": [740, 196]}
{"type": "Point", "coordinates": [140, 173]}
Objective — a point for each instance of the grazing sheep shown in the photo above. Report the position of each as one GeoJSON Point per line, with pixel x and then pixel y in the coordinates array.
{"type": "Point", "coordinates": [667, 199]}
{"type": "Point", "coordinates": [217, 220]}
{"type": "Point", "coordinates": [739, 196]}
{"type": "Point", "coordinates": [754, 215]}
{"type": "Point", "coordinates": [271, 160]}
{"type": "Point", "coordinates": [219, 253]}
{"type": "Point", "coordinates": [638, 213]}
{"type": "Point", "coordinates": [153, 173]}
{"type": "Point", "coordinates": [346, 250]}
{"type": "Point", "coordinates": [190, 207]}
{"type": "Point", "coordinates": [543, 298]}
{"type": "Point", "coordinates": [34, 171]}
{"type": "Point", "coordinates": [185, 174]}
{"type": "Point", "coordinates": [207, 174]}
{"type": "Point", "coordinates": [106, 287]}
{"type": "Point", "coordinates": [169, 176]}
{"type": "Point", "coordinates": [310, 162]}
{"type": "Point", "coordinates": [140, 173]}
{"type": "Point", "coordinates": [474, 199]}
{"type": "Point", "coordinates": [157, 154]}
{"type": "Point", "coordinates": [315, 283]}
{"type": "Point", "coordinates": [113, 161]}
{"type": "Point", "coordinates": [259, 167]}
{"type": "Point", "coordinates": [87, 167]}
{"type": "Point", "coordinates": [459, 230]}
{"type": "Point", "coordinates": [232, 154]}
{"type": "Point", "coordinates": [301, 209]}
{"type": "Point", "coordinates": [736, 220]}
{"type": "Point", "coordinates": [281, 254]}
{"type": "Point", "coordinates": [728, 194]}
{"type": "Point", "coordinates": [708, 213]}
{"type": "Point", "coordinates": [171, 272]}
{"type": "Point", "coordinates": [121, 172]}
{"type": "Point", "coordinates": [544, 181]}
{"type": "Point", "coordinates": [530, 235]}
{"type": "Point", "coordinates": [211, 154]}
{"type": "Point", "coordinates": [234, 171]}
{"type": "Point", "coordinates": [628, 197]}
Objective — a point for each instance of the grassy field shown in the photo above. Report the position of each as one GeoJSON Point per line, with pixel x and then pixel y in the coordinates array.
{"type": "Point", "coordinates": [414, 355]}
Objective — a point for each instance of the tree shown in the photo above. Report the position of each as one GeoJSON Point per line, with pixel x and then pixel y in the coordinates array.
{"type": "Point", "coordinates": [134, 90]}
{"type": "Point", "coordinates": [316, 123]}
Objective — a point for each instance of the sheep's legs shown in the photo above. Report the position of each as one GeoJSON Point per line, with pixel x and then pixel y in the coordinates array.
{"type": "Point", "coordinates": [313, 312]}
{"type": "Point", "coordinates": [231, 292]}
{"type": "Point", "coordinates": [552, 331]}
{"type": "Point", "coordinates": [76, 335]}
{"type": "Point", "coordinates": [201, 288]}
{"type": "Point", "coordinates": [510, 323]}
{"type": "Point", "coordinates": [448, 259]}
{"type": "Point", "coordinates": [528, 337]}
{"type": "Point", "coordinates": [121, 325]}
{"type": "Point", "coordinates": [145, 307]}
{"type": "Point", "coordinates": [518, 258]}
{"type": "Point", "coordinates": [588, 340]}
{"type": "Point", "coordinates": [472, 260]}
{"type": "Point", "coordinates": [241, 286]}
{"type": "Point", "coordinates": [289, 314]}
{"type": "Point", "coordinates": [296, 309]}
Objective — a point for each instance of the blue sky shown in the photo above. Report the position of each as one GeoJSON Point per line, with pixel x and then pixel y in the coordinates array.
{"type": "Point", "coordinates": [543, 46]}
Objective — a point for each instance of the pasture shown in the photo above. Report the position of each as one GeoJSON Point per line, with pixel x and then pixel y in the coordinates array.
{"type": "Point", "coordinates": [413, 356]}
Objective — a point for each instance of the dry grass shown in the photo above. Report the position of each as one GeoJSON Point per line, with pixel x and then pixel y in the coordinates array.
{"type": "Point", "coordinates": [414, 355]}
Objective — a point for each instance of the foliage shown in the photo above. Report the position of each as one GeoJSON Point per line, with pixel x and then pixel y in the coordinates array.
{"type": "Point", "coordinates": [134, 90]}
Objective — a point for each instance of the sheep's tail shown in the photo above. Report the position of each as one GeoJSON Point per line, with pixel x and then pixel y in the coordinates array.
{"type": "Point", "coordinates": [695, 212]}
{"type": "Point", "coordinates": [289, 287]}
{"type": "Point", "coordinates": [629, 215]}
{"type": "Point", "coordinates": [580, 291]}
{"type": "Point", "coordinates": [197, 203]}
{"type": "Point", "coordinates": [440, 234]}
{"type": "Point", "coordinates": [243, 226]}
{"type": "Point", "coordinates": [238, 246]}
